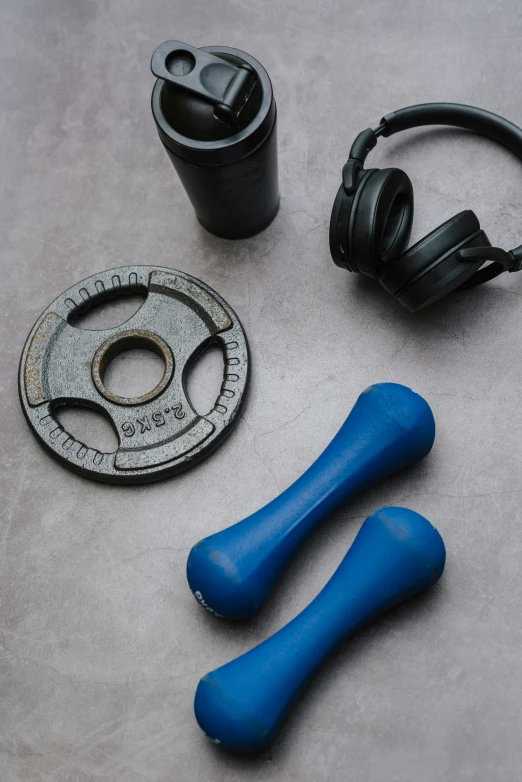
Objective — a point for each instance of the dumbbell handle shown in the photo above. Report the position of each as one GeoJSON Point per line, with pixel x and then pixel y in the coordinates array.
{"type": "Point", "coordinates": [232, 572]}
{"type": "Point", "coordinates": [242, 705]}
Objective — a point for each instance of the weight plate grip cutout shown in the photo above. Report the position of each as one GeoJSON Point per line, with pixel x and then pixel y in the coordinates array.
{"type": "Point", "coordinates": [159, 433]}
{"type": "Point", "coordinates": [232, 572]}
{"type": "Point", "coordinates": [241, 706]}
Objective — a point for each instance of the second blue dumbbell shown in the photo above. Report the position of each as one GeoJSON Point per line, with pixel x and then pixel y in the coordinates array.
{"type": "Point", "coordinates": [241, 706]}
{"type": "Point", "coordinates": [232, 572]}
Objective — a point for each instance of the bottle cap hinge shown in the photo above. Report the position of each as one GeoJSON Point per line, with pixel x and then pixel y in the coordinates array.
{"type": "Point", "coordinates": [226, 86]}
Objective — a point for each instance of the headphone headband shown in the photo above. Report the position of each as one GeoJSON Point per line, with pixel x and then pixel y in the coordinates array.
{"type": "Point", "coordinates": [456, 114]}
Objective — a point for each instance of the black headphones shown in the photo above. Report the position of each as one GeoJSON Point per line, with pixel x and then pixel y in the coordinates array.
{"type": "Point", "coordinates": [372, 216]}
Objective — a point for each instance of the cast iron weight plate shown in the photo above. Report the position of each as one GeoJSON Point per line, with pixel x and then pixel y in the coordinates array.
{"type": "Point", "coordinates": [159, 433]}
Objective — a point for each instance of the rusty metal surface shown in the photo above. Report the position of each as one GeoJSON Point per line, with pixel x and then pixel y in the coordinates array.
{"type": "Point", "coordinates": [129, 340]}
{"type": "Point", "coordinates": [159, 433]}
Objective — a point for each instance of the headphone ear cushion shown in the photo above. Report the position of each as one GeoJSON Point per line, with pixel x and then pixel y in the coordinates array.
{"type": "Point", "coordinates": [431, 268]}
{"type": "Point", "coordinates": [445, 239]}
{"type": "Point", "coordinates": [380, 221]}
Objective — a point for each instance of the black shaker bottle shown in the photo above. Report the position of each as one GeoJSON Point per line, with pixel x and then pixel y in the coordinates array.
{"type": "Point", "coordinates": [216, 116]}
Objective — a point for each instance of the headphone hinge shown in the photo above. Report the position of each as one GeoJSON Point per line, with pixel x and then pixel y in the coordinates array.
{"type": "Point", "coordinates": [351, 170]}
{"type": "Point", "coordinates": [494, 254]}
{"type": "Point", "coordinates": [363, 144]}
{"type": "Point", "coordinates": [517, 258]}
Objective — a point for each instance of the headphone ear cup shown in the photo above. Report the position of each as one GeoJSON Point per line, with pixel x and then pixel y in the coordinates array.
{"type": "Point", "coordinates": [380, 220]}
{"type": "Point", "coordinates": [431, 268]}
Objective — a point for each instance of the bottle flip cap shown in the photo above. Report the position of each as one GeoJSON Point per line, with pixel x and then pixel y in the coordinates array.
{"type": "Point", "coordinates": [212, 105]}
{"type": "Point", "coordinates": [226, 86]}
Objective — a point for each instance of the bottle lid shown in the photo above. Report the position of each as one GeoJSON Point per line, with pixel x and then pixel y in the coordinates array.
{"type": "Point", "coordinates": [212, 105]}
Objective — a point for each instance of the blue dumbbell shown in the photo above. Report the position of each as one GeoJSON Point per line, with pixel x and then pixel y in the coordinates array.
{"type": "Point", "coordinates": [232, 572]}
{"type": "Point", "coordinates": [242, 705]}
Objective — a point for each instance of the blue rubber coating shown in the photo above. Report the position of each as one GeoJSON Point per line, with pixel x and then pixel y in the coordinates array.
{"type": "Point", "coordinates": [232, 572]}
{"type": "Point", "coordinates": [242, 705]}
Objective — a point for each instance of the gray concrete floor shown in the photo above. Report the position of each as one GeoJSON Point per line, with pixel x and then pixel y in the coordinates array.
{"type": "Point", "coordinates": [102, 643]}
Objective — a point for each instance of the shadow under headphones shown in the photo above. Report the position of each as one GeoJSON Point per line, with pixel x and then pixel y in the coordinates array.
{"type": "Point", "coordinates": [372, 216]}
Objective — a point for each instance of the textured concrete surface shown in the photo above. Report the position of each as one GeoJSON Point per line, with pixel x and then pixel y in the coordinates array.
{"type": "Point", "coordinates": [102, 643]}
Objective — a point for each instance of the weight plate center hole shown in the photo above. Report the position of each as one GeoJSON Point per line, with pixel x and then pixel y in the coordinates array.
{"type": "Point", "coordinates": [133, 367]}
{"type": "Point", "coordinates": [134, 372]}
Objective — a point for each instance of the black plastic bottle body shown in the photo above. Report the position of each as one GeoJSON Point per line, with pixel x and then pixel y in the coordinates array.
{"type": "Point", "coordinates": [237, 199]}
{"type": "Point", "coordinates": [232, 183]}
